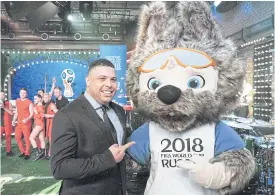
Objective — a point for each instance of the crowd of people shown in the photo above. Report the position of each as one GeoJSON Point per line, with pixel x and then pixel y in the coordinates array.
{"type": "Point", "coordinates": [32, 121]}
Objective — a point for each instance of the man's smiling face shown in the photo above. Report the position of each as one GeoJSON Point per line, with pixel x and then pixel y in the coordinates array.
{"type": "Point", "coordinates": [101, 83]}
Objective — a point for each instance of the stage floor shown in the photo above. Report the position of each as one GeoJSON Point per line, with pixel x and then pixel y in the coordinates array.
{"type": "Point", "coordinates": [25, 177]}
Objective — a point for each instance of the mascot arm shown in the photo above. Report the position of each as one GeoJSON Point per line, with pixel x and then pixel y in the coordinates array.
{"type": "Point", "coordinates": [139, 153]}
{"type": "Point", "coordinates": [237, 160]}
{"type": "Point", "coordinates": [231, 168]}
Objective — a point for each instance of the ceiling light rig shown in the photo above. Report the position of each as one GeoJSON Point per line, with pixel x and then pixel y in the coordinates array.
{"type": "Point", "coordinates": [256, 41]}
{"type": "Point", "coordinates": [263, 80]}
{"type": "Point", "coordinates": [38, 52]}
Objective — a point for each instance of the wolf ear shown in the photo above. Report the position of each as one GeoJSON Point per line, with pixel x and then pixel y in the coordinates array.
{"type": "Point", "coordinates": [196, 21]}
{"type": "Point", "coordinates": [152, 24]}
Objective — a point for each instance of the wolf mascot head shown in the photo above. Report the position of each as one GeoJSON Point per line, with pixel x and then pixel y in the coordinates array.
{"type": "Point", "coordinates": [184, 73]}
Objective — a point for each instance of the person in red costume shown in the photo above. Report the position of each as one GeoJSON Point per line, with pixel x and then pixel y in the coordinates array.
{"type": "Point", "coordinates": [6, 126]}
{"type": "Point", "coordinates": [50, 110]}
{"type": "Point", "coordinates": [23, 114]}
{"type": "Point", "coordinates": [39, 128]}
{"type": "Point", "coordinates": [42, 92]}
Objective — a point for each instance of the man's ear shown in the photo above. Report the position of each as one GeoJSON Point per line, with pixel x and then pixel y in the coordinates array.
{"type": "Point", "coordinates": [88, 80]}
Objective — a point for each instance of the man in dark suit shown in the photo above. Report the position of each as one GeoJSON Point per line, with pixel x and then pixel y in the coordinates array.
{"type": "Point", "coordinates": [88, 136]}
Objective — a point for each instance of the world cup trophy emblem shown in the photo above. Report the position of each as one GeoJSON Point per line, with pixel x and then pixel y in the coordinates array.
{"type": "Point", "coordinates": [68, 76]}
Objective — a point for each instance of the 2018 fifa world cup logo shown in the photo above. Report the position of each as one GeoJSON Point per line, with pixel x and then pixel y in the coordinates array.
{"type": "Point", "coordinates": [68, 76]}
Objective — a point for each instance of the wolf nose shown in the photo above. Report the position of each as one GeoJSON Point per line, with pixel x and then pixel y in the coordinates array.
{"type": "Point", "coordinates": [169, 94]}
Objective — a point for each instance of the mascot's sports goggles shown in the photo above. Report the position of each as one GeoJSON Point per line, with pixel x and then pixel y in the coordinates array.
{"type": "Point", "coordinates": [185, 57]}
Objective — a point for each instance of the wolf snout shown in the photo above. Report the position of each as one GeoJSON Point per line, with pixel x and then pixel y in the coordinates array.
{"type": "Point", "coordinates": [169, 94]}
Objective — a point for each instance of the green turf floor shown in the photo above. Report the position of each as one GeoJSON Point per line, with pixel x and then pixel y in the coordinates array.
{"type": "Point", "coordinates": [25, 177]}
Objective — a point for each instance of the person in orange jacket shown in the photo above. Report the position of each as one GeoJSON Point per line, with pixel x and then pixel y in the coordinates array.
{"type": "Point", "coordinates": [39, 128]}
{"type": "Point", "coordinates": [24, 114]}
{"type": "Point", "coordinates": [6, 124]}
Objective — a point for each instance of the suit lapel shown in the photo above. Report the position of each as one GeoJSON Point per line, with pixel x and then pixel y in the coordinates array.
{"type": "Point", "coordinates": [92, 114]}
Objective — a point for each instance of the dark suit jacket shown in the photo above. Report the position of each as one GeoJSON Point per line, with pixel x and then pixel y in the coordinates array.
{"type": "Point", "coordinates": [80, 154]}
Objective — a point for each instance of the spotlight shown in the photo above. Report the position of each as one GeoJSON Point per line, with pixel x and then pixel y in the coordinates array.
{"type": "Point", "coordinates": [86, 9]}
{"type": "Point", "coordinates": [4, 28]}
{"type": "Point", "coordinates": [66, 28]}
{"type": "Point", "coordinates": [70, 17]}
{"type": "Point", "coordinates": [216, 3]}
{"type": "Point", "coordinates": [44, 36]}
{"type": "Point", "coordinates": [65, 10]}
{"type": "Point", "coordinates": [77, 36]}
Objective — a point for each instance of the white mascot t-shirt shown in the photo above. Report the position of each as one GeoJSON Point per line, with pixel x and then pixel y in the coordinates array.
{"type": "Point", "coordinates": [167, 148]}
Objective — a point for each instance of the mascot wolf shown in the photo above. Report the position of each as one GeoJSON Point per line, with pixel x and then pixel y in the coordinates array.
{"type": "Point", "coordinates": [182, 77]}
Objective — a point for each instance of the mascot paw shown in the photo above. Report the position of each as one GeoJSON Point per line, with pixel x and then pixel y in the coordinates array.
{"type": "Point", "coordinates": [213, 176]}
{"type": "Point", "coordinates": [186, 164]}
